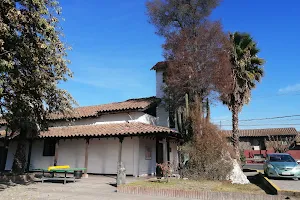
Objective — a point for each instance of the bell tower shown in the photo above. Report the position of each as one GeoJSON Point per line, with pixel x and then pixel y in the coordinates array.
{"type": "Point", "coordinates": [161, 112]}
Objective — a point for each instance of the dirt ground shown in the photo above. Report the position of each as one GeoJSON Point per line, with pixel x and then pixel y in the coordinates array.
{"type": "Point", "coordinates": [94, 187]}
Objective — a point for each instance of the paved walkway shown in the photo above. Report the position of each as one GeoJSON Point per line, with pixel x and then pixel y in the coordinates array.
{"type": "Point", "coordinates": [95, 187]}
{"type": "Point", "coordinates": [283, 184]}
{"type": "Point", "coordinates": [287, 184]}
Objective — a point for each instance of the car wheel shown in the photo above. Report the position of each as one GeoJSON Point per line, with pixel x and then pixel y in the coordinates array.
{"type": "Point", "coordinates": [266, 174]}
{"type": "Point", "coordinates": [296, 179]}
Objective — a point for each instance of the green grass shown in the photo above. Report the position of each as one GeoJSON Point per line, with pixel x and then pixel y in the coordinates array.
{"type": "Point", "coordinates": [220, 186]}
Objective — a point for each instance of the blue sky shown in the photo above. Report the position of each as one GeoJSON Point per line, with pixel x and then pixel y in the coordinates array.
{"type": "Point", "coordinates": [114, 48]}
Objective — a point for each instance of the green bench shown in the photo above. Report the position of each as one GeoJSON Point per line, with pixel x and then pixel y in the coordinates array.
{"type": "Point", "coordinates": [54, 174]}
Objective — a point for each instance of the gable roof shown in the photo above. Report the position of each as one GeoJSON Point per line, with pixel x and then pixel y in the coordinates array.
{"type": "Point", "coordinates": [263, 132]}
{"type": "Point", "coordinates": [139, 104]}
{"type": "Point", "coordinates": [92, 111]}
{"type": "Point", "coordinates": [162, 65]}
{"type": "Point", "coordinates": [104, 130]}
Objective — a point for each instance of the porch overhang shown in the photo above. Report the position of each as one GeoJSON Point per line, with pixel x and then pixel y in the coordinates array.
{"type": "Point", "coordinates": [107, 130]}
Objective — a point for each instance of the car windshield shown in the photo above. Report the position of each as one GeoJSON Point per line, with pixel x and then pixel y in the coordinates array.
{"type": "Point", "coordinates": [281, 158]}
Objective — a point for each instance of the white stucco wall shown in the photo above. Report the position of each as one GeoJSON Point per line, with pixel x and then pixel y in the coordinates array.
{"type": "Point", "coordinates": [161, 113]}
{"type": "Point", "coordinates": [147, 167]}
{"type": "Point", "coordinates": [111, 118]}
{"type": "Point", "coordinates": [37, 159]}
{"type": "Point", "coordinates": [162, 116]}
{"type": "Point", "coordinates": [71, 152]}
{"type": "Point", "coordinates": [103, 155]}
{"type": "Point", "coordinates": [159, 84]}
{"type": "Point", "coordinates": [10, 154]}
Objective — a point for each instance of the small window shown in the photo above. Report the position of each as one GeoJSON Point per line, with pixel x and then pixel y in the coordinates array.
{"type": "Point", "coordinates": [49, 148]}
{"type": "Point", "coordinates": [171, 119]}
{"type": "Point", "coordinates": [164, 77]}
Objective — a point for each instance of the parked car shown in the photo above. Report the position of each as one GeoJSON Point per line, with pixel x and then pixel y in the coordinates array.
{"type": "Point", "coordinates": [281, 165]}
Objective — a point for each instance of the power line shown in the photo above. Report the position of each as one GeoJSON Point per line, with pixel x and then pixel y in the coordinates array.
{"type": "Point", "coordinates": [280, 117]}
{"type": "Point", "coordinates": [266, 118]}
{"type": "Point", "coordinates": [264, 125]}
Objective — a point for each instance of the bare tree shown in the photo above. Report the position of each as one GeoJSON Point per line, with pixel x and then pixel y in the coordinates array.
{"type": "Point", "coordinates": [198, 62]}
{"type": "Point", "coordinates": [279, 144]}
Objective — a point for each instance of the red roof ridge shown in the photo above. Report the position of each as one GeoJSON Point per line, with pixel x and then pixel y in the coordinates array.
{"type": "Point", "coordinates": [264, 132]}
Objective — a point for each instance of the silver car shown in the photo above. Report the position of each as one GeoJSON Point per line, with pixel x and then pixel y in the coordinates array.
{"type": "Point", "coordinates": [281, 165]}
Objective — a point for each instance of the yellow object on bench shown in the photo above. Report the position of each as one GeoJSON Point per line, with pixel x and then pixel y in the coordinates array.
{"type": "Point", "coordinates": [58, 167]}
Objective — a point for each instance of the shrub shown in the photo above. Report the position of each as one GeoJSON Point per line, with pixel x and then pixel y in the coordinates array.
{"type": "Point", "coordinates": [210, 155]}
{"type": "Point", "coordinates": [242, 157]}
{"type": "Point", "coordinates": [166, 169]}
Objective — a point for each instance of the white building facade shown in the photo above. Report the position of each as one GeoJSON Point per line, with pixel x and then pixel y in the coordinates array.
{"type": "Point", "coordinates": [91, 138]}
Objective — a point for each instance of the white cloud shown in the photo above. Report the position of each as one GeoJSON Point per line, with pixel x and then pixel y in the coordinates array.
{"type": "Point", "coordinates": [290, 89]}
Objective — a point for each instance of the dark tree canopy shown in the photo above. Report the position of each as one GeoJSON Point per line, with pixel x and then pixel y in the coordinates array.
{"type": "Point", "coordinates": [32, 64]}
{"type": "Point", "coordinates": [170, 16]}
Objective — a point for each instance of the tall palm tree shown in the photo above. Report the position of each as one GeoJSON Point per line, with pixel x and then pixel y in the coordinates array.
{"type": "Point", "coordinates": [246, 72]}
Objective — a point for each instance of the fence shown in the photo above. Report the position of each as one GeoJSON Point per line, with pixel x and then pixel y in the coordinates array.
{"type": "Point", "coordinates": [249, 154]}
{"type": "Point", "coordinates": [203, 195]}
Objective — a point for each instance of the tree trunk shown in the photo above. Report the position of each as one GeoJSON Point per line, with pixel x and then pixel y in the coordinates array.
{"type": "Point", "coordinates": [235, 130]}
{"type": "Point", "coordinates": [207, 111]}
{"type": "Point", "coordinates": [19, 163]}
{"type": "Point", "coordinates": [29, 155]}
{"type": "Point", "coordinates": [3, 157]}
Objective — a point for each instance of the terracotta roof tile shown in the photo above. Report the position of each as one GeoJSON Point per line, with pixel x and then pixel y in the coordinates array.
{"type": "Point", "coordinates": [298, 138]}
{"type": "Point", "coordinates": [160, 65]}
{"type": "Point", "coordinates": [92, 111]}
{"type": "Point", "coordinates": [111, 129]}
{"type": "Point", "coordinates": [264, 132]}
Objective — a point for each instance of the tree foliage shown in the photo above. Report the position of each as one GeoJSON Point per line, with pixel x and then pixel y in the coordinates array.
{"type": "Point", "coordinates": [196, 51]}
{"type": "Point", "coordinates": [246, 71]}
{"type": "Point", "coordinates": [198, 61]}
{"type": "Point", "coordinates": [32, 64]}
{"type": "Point", "coordinates": [171, 16]}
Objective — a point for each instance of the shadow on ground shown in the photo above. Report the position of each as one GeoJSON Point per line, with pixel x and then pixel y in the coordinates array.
{"type": "Point", "coordinates": [254, 179]}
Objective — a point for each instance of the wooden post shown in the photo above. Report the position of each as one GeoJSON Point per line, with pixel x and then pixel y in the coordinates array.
{"type": "Point", "coordinates": [121, 174]}
{"type": "Point", "coordinates": [120, 149]}
{"type": "Point", "coordinates": [165, 150]}
{"type": "Point", "coordinates": [56, 152]}
{"type": "Point", "coordinates": [86, 158]}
